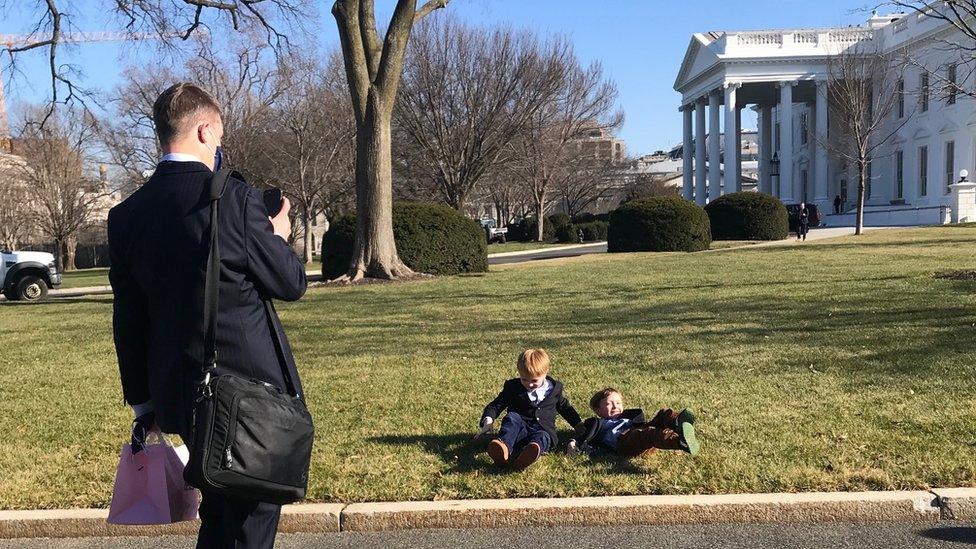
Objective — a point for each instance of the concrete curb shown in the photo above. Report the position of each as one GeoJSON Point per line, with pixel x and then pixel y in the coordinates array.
{"type": "Point", "coordinates": [957, 503]}
{"type": "Point", "coordinates": [90, 523]}
{"type": "Point", "coordinates": [906, 506]}
{"type": "Point", "coordinates": [915, 506]}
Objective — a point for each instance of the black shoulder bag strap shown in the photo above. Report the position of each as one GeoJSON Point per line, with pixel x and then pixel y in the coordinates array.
{"type": "Point", "coordinates": [211, 294]}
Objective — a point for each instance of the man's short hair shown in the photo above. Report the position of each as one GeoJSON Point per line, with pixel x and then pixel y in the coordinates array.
{"type": "Point", "coordinates": [598, 397]}
{"type": "Point", "coordinates": [178, 106]}
{"type": "Point", "coordinates": [533, 362]}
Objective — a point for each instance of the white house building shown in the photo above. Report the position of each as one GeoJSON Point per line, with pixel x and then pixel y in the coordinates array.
{"type": "Point", "coordinates": [782, 75]}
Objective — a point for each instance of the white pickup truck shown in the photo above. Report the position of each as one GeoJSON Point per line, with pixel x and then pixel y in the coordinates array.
{"type": "Point", "coordinates": [27, 276]}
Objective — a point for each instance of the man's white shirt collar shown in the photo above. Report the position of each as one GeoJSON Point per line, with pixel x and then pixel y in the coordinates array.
{"type": "Point", "coordinates": [180, 157]}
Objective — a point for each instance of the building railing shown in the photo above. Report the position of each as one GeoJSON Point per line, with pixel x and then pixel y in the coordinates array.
{"type": "Point", "coordinates": [801, 37]}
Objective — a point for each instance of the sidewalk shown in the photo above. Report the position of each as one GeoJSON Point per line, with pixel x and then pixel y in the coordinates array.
{"type": "Point", "coordinates": [919, 506]}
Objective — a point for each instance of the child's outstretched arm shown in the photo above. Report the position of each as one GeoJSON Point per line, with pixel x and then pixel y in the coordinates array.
{"type": "Point", "coordinates": [495, 407]}
{"type": "Point", "coordinates": [565, 409]}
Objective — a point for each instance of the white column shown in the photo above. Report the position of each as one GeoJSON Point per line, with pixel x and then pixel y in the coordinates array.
{"type": "Point", "coordinates": [786, 142]}
{"type": "Point", "coordinates": [714, 147]}
{"type": "Point", "coordinates": [700, 152]}
{"type": "Point", "coordinates": [688, 188]}
{"type": "Point", "coordinates": [738, 151]}
{"type": "Point", "coordinates": [820, 175]}
{"type": "Point", "coordinates": [766, 148]}
{"type": "Point", "coordinates": [731, 147]}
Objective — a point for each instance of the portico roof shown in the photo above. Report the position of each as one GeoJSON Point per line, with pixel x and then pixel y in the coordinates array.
{"type": "Point", "coordinates": [716, 57]}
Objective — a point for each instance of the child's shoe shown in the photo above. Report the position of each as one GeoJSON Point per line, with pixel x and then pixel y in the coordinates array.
{"type": "Point", "coordinates": [528, 456]}
{"type": "Point", "coordinates": [498, 452]}
{"type": "Point", "coordinates": [572, 450]}
{"type": "Point", "coordinates": [686, 416]}
{"type": "Point", "coordinates": [689, 442]}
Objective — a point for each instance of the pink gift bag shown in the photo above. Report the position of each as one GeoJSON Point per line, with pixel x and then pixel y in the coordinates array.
{"type": "Point", "coordinates": [149, 486]}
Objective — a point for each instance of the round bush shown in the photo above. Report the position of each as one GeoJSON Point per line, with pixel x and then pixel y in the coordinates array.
{"type": "Point", "coordinates": [430, 238]}
{"type": "Point", "coordinates": [659, 224]}
{"type": "Point", "coordinates": [748, 216]}
{"type": "Point", "coordinates": [568, 234]}
{"type": "Point", "coordinates": [594, 230]}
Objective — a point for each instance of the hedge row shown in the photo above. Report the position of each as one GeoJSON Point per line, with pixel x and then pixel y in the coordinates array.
{"type": "Point", "coordinates": [430, 238]}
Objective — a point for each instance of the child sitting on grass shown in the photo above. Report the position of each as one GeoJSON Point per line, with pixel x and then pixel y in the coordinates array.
{"type": "Point", "coordinates": [532, 400]}
{"type": "Point", "coordinates": [628, 434]}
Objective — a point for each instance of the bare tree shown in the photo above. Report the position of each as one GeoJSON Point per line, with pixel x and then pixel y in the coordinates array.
{"type": "Point", "coordinates": [15, 212]}
{"type": "Point", "coordinates": [55, 155]}
{"type": "Point", "coordinates": [587, 181]}
{"type": "Point", "coordinates": [467, 93]}
{"type": "Point", "coordinates": [545, 154]}
{"type": "Point", "coordinates": [374, 68]}
{"type": "Point", "coordinates": [170, 21]}
{"type": "Point", "coordinates": [646, 186]}
{"type": "Point", "coordinates": [953, 62]}
{"type": "Point", "coordinates": [312, 154]}
{"type": "Point", "coordinates": [863, 91]}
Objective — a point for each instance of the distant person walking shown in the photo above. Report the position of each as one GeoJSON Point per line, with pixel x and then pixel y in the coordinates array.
{"type": "Point", "coordinates": [837, 203]}
{"type": "Point", "coordinates": [803, 222]}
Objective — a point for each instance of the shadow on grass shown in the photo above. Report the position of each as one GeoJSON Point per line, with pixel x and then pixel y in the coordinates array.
{"type": "Point", "coordinates": [957, 534]}
{"type": "Point", "coordinates": [460, 451]}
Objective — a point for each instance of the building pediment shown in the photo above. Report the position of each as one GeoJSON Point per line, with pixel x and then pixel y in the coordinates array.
{"type": "Point", "coordinates": [699, 57]}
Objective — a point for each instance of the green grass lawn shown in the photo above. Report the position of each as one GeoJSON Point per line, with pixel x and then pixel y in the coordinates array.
{"type": "Point", "coordinates": [836, 365]}
{"type": "Point", "coordinates": [521, 246]}
{"type": "Point", "coordinates": [84, 277]}
{"type": "Point", "coordinates": [723, 244]}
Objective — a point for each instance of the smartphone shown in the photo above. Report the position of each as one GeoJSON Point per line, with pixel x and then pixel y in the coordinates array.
{"type": "Point", "coordinates": [272, 201]}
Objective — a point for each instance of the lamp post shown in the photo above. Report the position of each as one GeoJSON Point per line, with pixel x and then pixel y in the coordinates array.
{"type": "Point", "coordinates": [774, 174]}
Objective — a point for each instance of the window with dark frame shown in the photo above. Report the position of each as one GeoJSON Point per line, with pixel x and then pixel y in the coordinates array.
{"type": "Point", "coordinates": [923, 171]}
{"type": "Point", "coordinates": [950, 164]}
{"type": "Point", "coordinates": [924, 92]}
{"type": "Point", "coordinates": [900, 175]}
{"type": "Point", "coordinates": [951, 84]}
{"type": "Point", "coordinates": [901, 98]}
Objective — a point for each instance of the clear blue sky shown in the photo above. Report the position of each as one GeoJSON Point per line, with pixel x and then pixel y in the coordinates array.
{"type": "Point", "coordinates": [639, 42]}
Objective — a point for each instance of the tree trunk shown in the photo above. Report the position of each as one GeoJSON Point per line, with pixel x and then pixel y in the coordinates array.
{"type": "Point", "coordinates": [859, 224]}
{"type": "Point", "coordinates": [374, 252]}
{"type": "Point", "coordinates": [308, 237]}
{"type": "Point", "coordinates": [540, 228]}
{"type": "Point", "coordinates": [59, 254]}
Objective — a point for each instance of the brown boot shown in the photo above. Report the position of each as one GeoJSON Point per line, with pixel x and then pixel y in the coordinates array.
{"type": "Point", "coordinates": [498, 452]}
{"type": "Point", "coordinates": [527, 456]}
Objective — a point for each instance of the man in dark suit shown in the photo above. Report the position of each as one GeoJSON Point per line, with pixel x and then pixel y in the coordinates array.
{"type": "Point", "coordinates": [159, 242]}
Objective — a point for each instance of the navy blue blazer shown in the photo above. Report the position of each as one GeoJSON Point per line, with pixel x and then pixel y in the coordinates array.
{"type": "Point", "coordinates": [515, 398]}
{"type": "Point", "coordinates": [158, 242]}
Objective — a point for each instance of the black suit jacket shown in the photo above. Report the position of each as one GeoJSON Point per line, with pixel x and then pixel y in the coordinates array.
{"type": "Point", "coordinates": [159, 242]}
{"type": "Point", "coordinates": [515, 398]}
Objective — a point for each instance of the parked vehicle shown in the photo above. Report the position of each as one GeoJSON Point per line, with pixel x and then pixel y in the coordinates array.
{"type": "Point", "coordinates": [27, 276]}
{"type": "Point", "coordinates": [815, 217]}
{"type": "Point", "coordinates": [492, 232]}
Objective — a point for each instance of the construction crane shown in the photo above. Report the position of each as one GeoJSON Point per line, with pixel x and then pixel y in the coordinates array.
{"type": "Point", "coordinates": [9, 41]}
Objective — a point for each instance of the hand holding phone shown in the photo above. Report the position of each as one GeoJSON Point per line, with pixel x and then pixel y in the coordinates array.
{"type": "Point", "coordinates": [272, 201]}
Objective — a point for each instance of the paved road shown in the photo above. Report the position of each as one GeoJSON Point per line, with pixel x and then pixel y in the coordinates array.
{"type": "Point", "coordinates": [599, 248]}
{"type": "Point", "coordinates": [777, 536]}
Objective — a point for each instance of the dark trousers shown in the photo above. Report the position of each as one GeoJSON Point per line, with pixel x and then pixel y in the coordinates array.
{"type": "Point", "coordinates": [517, 432]}
{"type": "Point", "coordinates": [647, 438]}
{"type": "Point", "coordinates": [233, 523]}
{"type": "Point", "coordinates": [802, 231]}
